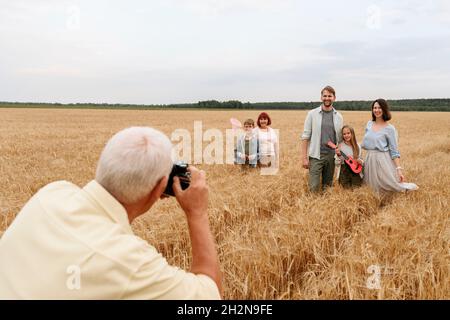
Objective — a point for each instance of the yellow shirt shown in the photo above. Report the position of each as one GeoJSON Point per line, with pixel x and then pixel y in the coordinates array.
{"type": "Point", "coordinates": [72, 243]}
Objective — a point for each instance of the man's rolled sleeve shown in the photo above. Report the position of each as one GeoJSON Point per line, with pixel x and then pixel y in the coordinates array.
{"type": "Point", "coordinates": [156, 279]}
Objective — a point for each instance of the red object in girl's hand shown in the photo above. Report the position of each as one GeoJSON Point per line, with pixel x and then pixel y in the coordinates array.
{"type": "Point", "coordinates": [354, 165]}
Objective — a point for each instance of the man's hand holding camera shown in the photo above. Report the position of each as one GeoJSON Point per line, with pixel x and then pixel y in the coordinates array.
{"type": "Point", "coordinates": [193, 200]}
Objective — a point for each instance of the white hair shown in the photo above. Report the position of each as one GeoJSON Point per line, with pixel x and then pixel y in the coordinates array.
{"type": "Point", "coordinates": [133, 162]}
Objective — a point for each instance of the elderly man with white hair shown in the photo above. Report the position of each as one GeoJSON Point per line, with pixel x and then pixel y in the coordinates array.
{"type": "Point", "coordinates": [76, 243]}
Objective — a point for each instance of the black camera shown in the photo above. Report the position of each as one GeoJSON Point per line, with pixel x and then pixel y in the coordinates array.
{"type": "Point", "coordinates": [180, 170]}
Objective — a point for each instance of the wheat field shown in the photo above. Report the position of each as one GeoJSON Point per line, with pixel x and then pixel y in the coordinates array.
{"type": "Point", "coordinates": [275, 240]}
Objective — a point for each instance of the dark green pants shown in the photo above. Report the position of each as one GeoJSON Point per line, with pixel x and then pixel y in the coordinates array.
{"type": "Point", "coordinates": [349, 179]}
{"type": "Point", "coordinates": [323, 168]}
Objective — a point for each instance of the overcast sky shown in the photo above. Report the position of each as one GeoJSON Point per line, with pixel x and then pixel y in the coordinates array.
{"type": "Point", "coordinates": [175, 51]}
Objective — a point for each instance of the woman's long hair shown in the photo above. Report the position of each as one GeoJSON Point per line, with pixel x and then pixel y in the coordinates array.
{"type": "Point", "coordinates": [353, 142]}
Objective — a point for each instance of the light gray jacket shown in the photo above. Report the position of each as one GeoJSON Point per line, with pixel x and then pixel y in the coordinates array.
{"type": "Point", "coordinates": [313, 127]}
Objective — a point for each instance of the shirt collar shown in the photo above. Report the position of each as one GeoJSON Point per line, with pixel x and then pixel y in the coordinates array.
{"type": "Point", "coordinates": [108, 203]}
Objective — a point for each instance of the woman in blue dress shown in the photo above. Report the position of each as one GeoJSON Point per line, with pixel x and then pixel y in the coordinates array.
{"type": "Point", "coordinates": [382, 171]}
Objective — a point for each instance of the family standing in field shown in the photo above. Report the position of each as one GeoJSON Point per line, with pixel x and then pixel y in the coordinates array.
{"type": "Point", "coordinates": [324, 128]}
{"type": "Point", "coordinates": [69, 242]}
{"type": "Point", "coordinates": [327, 142]}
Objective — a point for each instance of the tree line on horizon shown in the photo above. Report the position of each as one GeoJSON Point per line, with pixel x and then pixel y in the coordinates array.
{"type": "Point", "coordinates": [356, 105]}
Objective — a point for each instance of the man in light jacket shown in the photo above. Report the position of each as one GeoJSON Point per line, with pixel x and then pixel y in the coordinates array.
{"type": "Point", "coordinates": [322, 124]}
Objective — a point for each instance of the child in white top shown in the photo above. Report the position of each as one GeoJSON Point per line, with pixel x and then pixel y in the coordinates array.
{"type": "Point", "coordinates": [349, 146]}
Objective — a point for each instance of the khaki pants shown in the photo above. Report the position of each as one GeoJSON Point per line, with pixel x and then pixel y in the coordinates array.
{"type": "Point", "coordinates": [323, 168]}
